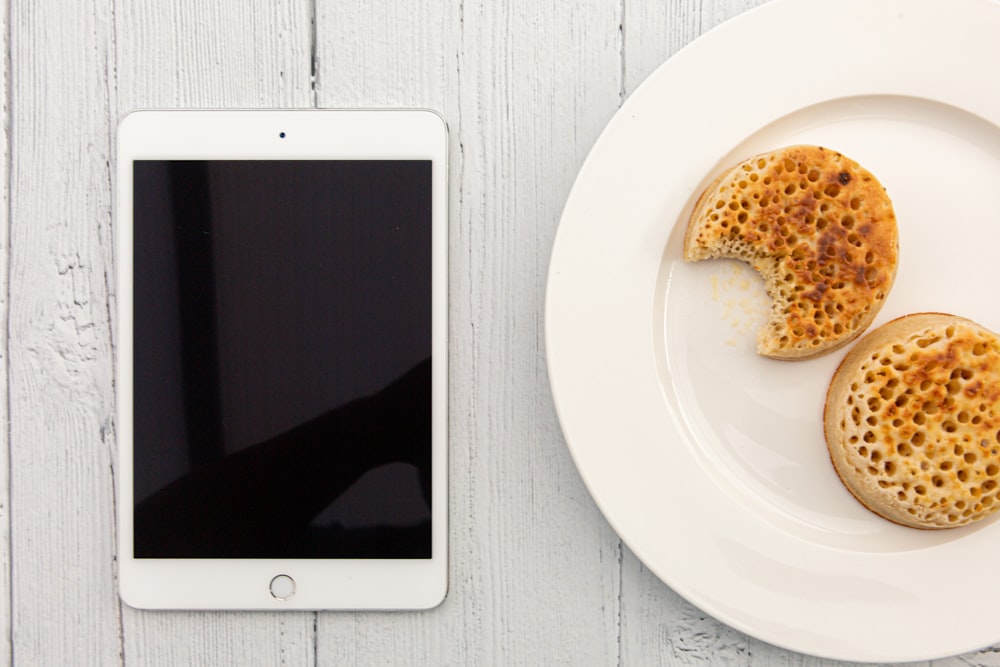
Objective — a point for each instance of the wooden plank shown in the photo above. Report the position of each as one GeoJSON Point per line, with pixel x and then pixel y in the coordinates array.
{"type": "Point", "coordinates": [5, 589]}
{"type": "Point", "coordinates": [213, 55]}
{"type": "Point", "coordinates": [384, 54]}
{"type": "Point", "coordinates": [658, 626]}
{"type": "Point", "coordinates": [64, 608]}
{"type": "Point", "coordinates": [525, 88]}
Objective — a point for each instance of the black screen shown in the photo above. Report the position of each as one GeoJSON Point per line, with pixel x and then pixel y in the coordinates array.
{"type": "Point", "coordinates": [282, 338]}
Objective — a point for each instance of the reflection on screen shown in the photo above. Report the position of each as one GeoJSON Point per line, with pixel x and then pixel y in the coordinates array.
{"type": "Point", "coordinates": [282, 373]}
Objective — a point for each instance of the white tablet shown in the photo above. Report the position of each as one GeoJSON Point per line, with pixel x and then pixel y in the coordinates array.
{"type": "Point", "coordinates": [282, 359]}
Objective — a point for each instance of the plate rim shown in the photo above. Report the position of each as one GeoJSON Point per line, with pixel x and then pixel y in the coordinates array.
{"type": "Point", "coordinates": [915, 18]}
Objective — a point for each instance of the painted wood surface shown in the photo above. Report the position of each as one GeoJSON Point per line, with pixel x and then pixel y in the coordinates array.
{"type": "Point", "coordinates": [537, 575]}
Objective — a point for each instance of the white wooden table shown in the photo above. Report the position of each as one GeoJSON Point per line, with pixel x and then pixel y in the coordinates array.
{"type": "Point", "coordinates": [537, 576]}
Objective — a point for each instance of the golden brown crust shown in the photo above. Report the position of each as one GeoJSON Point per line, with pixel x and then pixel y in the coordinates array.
{"type": "Point", "coordinates": [821, 231]}
{"type": "Point", "coordinates": [912, 421]}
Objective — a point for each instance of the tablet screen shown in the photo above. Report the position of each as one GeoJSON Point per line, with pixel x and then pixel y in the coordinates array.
{"type": "Point", "coordinates": [282, 345]}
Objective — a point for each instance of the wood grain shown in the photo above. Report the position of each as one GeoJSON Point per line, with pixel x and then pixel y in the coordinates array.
{"type": "Point", "coordinates": [60, 380]}
{"type": "Point", "coordinates": [5, 587]}
{"type": "Point", "coordinates": [185, 53]}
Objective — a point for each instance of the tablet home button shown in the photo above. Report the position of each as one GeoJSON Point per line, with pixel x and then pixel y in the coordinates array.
{"type": "Point", "coordinates": [282, 587]}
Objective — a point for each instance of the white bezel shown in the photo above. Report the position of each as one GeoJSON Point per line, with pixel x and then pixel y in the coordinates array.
{"type": "Point", "coordinates": [308, 134]}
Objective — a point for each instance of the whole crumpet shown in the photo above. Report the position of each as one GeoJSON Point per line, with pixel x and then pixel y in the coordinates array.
{"type": "Point", "coordinates": [912, 421]}
{"type": "Point", "coordinates": [821, 231]}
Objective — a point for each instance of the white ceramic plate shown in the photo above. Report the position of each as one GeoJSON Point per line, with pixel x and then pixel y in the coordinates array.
{"type": "Point", "coordinates": [709, 461]}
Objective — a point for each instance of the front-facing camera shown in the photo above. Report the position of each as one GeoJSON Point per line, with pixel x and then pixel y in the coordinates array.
{"type": "Point", "coordinates": [281, 134]}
